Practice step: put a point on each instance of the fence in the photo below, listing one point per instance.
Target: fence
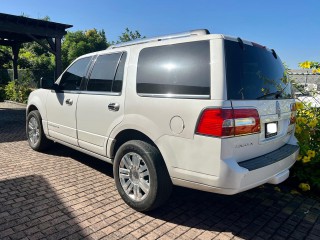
(306, 87)
(6, 75)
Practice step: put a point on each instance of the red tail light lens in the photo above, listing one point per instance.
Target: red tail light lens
(228, 122)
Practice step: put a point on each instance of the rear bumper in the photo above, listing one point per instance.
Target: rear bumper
(237, 177)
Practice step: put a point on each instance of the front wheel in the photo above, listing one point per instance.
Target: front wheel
(141, 176)
(36, 137)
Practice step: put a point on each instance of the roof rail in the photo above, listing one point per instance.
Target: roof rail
(197, 32)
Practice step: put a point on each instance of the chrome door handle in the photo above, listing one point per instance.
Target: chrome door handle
(69, 101)
(114, 107)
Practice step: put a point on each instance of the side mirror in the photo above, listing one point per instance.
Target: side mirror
(46, 83)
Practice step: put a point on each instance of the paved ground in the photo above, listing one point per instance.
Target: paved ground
(64, 194)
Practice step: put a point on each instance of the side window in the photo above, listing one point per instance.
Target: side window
(105, 75)
(175, 69)
(71, 79)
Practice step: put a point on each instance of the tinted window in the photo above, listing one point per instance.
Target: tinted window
(71, 79)
(175, 69)
(253, 72)
(103, 73)
(117, 83)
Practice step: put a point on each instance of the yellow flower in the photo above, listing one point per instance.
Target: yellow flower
(306, 64)
(306, 159)
(299, 157)
(316, 70)
(299, 105)
(311, 153)
(304, 120)
(313, 123)
(304, 187)
(298, 129)
(310, 114)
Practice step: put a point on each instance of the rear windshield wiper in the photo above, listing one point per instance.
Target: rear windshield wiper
(276, 94)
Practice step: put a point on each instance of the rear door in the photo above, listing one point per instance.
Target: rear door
(256, 79)
(101, 107)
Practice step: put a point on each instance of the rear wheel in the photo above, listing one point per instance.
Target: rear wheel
(36, 137)
(141, 176)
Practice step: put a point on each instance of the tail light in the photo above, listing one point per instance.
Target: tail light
(222, 122)
(293, 108)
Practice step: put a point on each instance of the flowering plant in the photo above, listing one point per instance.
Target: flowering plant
(315, 66)
(307, 168)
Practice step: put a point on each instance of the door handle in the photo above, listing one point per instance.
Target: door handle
(114, 107)
(69, 101)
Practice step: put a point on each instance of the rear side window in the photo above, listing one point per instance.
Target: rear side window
(253, 72)
(103, 73)
(175, 69)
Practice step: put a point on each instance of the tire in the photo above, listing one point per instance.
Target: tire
(34, 130)
(144, 183)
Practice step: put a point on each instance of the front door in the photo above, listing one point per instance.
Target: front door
(62, 103)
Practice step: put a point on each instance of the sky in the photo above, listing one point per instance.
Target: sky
(292, 28)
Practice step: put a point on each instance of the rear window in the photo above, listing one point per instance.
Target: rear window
(179, 69)
(254, 72)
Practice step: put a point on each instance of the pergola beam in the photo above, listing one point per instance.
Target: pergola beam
(15, 30)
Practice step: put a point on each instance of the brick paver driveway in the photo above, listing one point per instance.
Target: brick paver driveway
(63, 194)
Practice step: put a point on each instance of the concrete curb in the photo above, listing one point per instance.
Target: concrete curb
(16, 103)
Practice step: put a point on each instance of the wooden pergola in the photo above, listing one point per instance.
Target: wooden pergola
(16, 30)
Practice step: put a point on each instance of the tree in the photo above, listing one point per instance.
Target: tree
(129, 35)
(33, 56)
(78, 43)
(5, 57)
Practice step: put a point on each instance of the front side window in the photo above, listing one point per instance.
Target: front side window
(71, 79)
(107, 73)
(175, 69)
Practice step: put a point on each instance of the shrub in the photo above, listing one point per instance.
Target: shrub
(307, 168)
(17, 91)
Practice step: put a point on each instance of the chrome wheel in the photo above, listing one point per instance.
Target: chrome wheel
(134, 176)
(33, 131)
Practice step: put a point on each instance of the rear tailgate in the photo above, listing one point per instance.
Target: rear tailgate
(275, 130)
(256, 79)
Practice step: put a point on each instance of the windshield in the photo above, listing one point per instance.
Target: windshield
(253, 72)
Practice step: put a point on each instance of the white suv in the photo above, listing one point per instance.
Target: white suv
(194, 109)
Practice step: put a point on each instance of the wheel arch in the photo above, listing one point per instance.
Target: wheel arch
(127, 135)
(31, 108)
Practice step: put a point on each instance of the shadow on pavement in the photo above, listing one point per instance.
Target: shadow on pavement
(60, 150)
(262, 212)
(29, 207)
(12, 125)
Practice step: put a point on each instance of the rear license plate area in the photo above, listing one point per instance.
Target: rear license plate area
(271, 129)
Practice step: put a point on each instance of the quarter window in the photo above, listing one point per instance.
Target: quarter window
(71, 79)
(175, 69)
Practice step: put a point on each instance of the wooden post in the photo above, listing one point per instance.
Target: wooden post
(15, 51)
(58, 56)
